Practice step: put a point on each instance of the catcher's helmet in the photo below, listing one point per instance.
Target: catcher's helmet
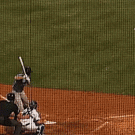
(28, 70)
(33, 105)
(11, 96)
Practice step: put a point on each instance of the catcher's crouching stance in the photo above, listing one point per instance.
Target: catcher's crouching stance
(32, 124)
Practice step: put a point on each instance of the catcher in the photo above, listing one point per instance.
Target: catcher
(20, 82)
(32, 124)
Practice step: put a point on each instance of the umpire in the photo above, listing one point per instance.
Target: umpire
(7, 108)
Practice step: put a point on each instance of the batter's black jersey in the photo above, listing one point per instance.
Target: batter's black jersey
(18, 85)
(6, 108)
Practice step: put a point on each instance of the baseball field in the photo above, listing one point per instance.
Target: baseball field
(82, 56)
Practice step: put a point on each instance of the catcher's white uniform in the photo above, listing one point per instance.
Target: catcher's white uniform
(30, 124)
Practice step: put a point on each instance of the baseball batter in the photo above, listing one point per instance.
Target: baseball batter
(32, 124)
(20, 82)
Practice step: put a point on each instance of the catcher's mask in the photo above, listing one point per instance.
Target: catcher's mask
(11, 97)
(33, 105)
(28, 70)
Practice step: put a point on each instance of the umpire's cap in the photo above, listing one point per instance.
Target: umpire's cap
(28, 70)
(11, 96)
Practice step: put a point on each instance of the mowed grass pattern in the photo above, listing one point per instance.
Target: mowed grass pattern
(70, 44)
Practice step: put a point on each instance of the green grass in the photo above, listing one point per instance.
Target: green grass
(70, 44)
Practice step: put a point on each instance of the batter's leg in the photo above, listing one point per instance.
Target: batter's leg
(18, 100)
(24, 99)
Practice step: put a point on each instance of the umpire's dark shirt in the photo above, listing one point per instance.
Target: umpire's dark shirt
(18, 85)
(6, 108)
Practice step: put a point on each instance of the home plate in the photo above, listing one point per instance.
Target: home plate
(49, 122)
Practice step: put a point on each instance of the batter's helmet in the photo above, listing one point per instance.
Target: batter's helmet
(28, 70)
(33, 105)
(11, 96)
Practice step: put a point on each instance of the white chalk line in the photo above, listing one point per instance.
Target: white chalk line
(99, 119)
(111, 117)
(101, 126)
(122, 116)
(80, 120)
(95, 119)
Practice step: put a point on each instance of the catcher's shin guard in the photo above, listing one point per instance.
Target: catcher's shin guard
(40, 130)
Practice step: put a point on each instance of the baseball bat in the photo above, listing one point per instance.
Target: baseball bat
(22, 66)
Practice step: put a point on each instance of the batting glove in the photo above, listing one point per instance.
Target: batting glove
(28, 79)
(24, 77)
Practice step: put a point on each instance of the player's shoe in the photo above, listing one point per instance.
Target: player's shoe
(40, 129)
(22, 131)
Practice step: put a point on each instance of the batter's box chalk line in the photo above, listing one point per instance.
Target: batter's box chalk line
(122, 116)
(110, 117)
(101, 126)
(79, 119)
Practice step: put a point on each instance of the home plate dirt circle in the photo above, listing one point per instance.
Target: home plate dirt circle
(80, 113)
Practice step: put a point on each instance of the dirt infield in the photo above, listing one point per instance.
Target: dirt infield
(80, 113)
